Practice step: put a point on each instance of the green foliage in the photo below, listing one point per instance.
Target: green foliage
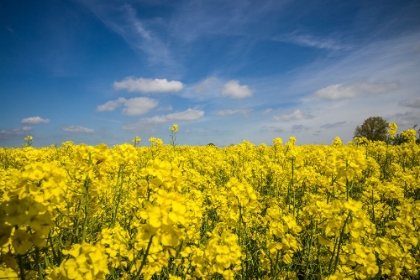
(373, 128)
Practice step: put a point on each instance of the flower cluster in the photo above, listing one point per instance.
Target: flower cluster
(285, 211)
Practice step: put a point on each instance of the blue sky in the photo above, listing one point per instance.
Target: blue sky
(94, 71)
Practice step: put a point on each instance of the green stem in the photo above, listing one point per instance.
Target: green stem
(55, 257)
(38, 261)
(144, 258)
(275, 266)
(176, 257)
(118, 196)
(85, 223)
(308, 255)
(332, 255)
(21, 269)
(340, 242)
(373, 208)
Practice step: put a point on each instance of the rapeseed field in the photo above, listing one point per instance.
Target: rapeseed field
(338, 211)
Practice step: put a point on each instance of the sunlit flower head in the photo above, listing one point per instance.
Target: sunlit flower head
(410, 135)
(337, 141)
(174, 128)
(392, 129)
(292, 140)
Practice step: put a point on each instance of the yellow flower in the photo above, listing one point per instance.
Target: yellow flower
(174, 128)
(88, 262)
(392, 129)
(20, 241)
(337, 141)
(7, 273)
(292, 140)
(278, 141)
(5, 232)
(410, 135)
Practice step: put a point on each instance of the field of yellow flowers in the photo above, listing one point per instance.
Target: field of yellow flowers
(191, 212)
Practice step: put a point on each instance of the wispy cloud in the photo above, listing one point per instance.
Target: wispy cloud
(11, 30)
(407, 119)
(193, 19)
(267, 111)
(204, 85)
(339, 91)
(123, 20)
(133, 106)
(233, 89)
(333, 125)
(312, 41)
(295, 115)
(148, 85)
(271, 129)
(166, 108)
(299, 127)
(244, 112)
(414, 103)
(77, 129)
(34, 120)
(14, 133)
(188, 115)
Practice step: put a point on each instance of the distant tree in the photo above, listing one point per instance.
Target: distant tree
(373, 128)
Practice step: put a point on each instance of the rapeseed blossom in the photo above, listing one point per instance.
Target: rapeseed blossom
(339, 211)
(174, 128)
(392, 129)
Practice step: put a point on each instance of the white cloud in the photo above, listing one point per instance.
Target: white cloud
(133, 107)
(138, 106)
(34, 120)
(295, 115)
(339, 91)
(77, 129)
(110, 105)
(245, 112)
(232, 89)
(148, 85)
(188, 115)
(414, 103)
(209, 88)
(26, 128)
